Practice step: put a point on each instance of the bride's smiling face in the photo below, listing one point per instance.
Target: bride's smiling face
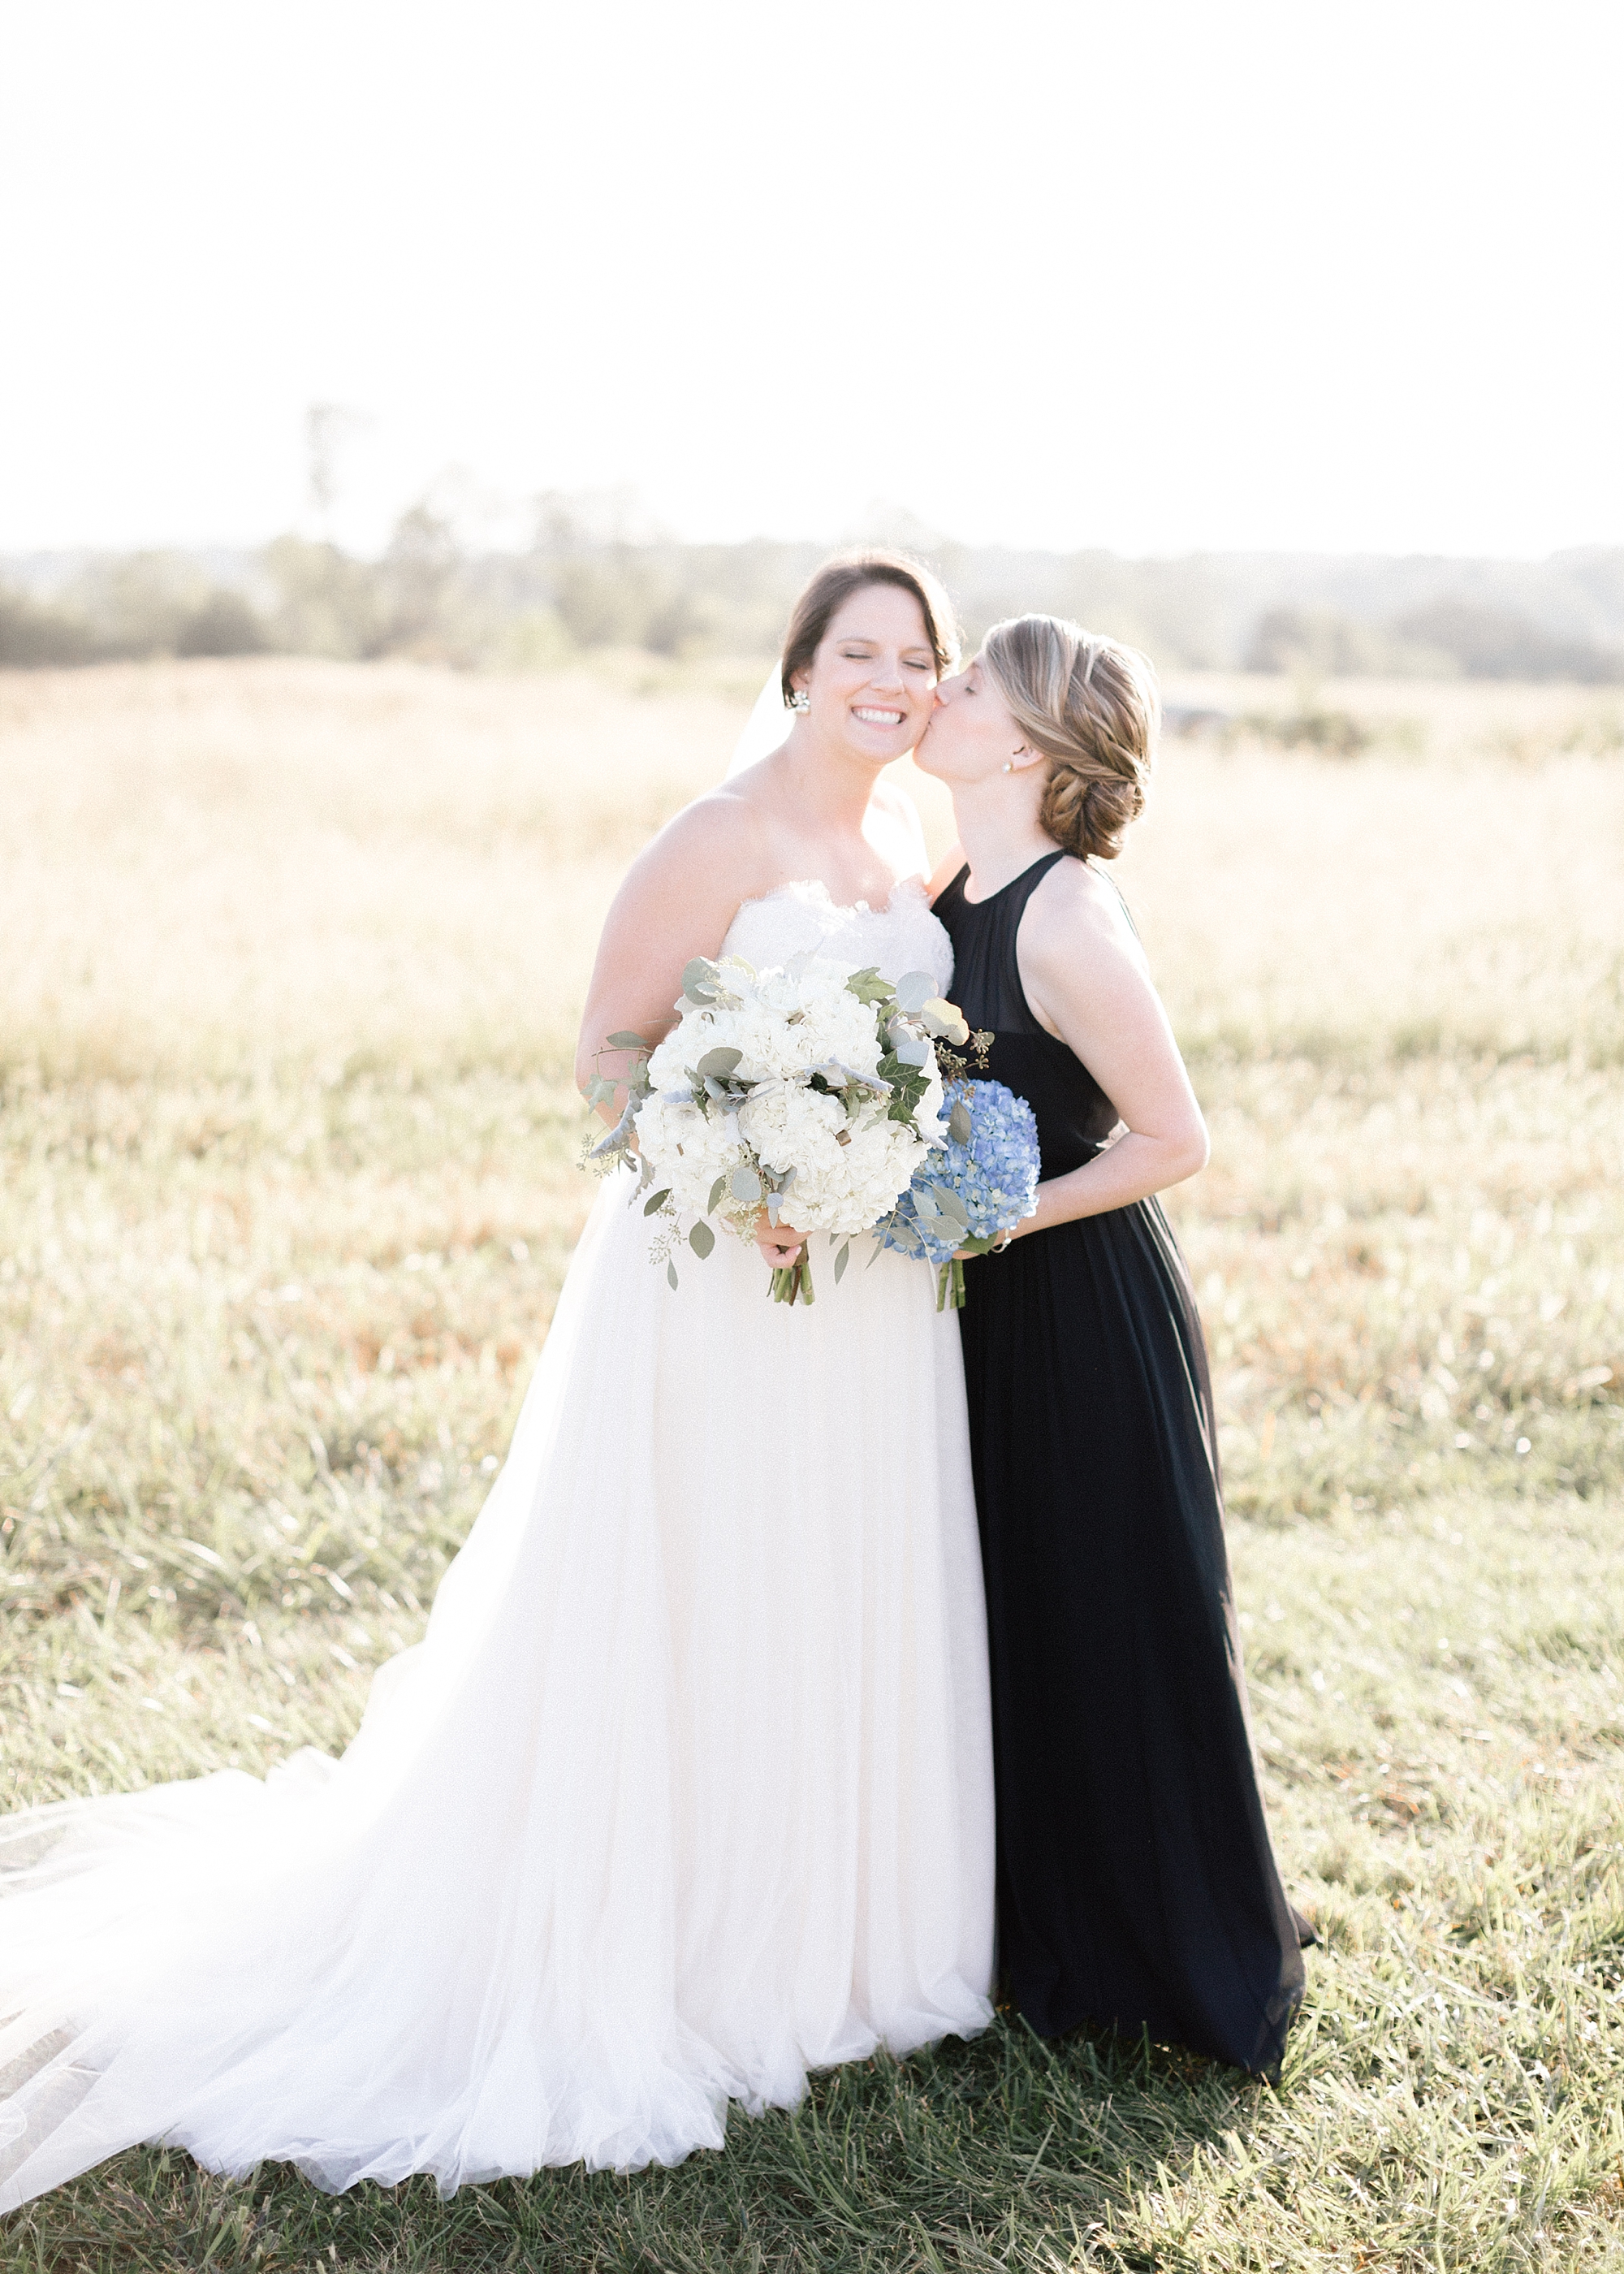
(971, 733)
(872, 683)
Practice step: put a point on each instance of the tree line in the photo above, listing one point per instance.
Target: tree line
(581, 585)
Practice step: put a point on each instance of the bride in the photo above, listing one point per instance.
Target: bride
(688, 1788)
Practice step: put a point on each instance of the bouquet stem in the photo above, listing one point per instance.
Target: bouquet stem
(951, 1286)
(793, 1281)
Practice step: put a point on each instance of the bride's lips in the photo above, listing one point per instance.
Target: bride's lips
(872, 716)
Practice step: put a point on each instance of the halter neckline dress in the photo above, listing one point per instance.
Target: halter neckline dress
(1135, 1882)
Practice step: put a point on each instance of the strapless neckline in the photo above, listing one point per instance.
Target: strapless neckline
(804, 917)
(814, 888)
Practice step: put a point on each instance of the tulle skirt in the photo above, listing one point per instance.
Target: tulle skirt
(687, 1789)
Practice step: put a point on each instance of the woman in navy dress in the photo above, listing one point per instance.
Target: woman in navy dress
(1137, 1886)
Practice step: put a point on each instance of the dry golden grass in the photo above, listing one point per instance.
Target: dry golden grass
(291, 958)
(220, 869)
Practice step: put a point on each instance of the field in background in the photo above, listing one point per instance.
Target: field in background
(291, 958)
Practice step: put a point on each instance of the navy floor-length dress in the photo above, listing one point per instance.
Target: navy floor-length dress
(1137, 1886)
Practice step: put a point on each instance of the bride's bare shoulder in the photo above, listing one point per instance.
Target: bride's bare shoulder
(725, 818)
(713, 849)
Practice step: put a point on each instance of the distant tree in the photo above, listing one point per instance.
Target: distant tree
(136, 602)
(326, 604)
(225, 624)
(1325, 643)
(144, 605)
(418, 580)
(1490, 643)
(34, 636)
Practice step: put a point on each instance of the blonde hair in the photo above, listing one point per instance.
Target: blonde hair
(832, 585)
(1090, 705)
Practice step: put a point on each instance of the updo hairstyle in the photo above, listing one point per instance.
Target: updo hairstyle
(829, 587)
(1090, 705)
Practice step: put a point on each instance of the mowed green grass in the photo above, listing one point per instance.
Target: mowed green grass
(287, 1186)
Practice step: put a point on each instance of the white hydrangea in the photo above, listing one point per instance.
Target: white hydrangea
(782, 1024)
(849, 1161)
(688, 1149)
(789, 1127)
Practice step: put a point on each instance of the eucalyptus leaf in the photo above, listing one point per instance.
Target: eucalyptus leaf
(701, 1239)
(961, 1127)
(618, 1139)
(716, 1064)
(914, 990)
(699, 979)
(841, 1260)
(671, 1272)
(626, 1041)
(657, 1201)
(716, 1190)
(950, 1203)
(946, 1020)
(912, 1053)
(744, 1184)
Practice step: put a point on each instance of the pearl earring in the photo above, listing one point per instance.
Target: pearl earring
(1009, 765)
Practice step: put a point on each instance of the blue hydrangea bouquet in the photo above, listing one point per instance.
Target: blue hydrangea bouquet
(979, 1186)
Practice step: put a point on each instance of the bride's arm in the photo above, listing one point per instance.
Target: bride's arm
(1086, 977)
(677, 901)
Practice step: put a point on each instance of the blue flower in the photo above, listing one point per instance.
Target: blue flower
(972, 1189)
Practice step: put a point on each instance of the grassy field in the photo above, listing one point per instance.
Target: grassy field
(291, 956)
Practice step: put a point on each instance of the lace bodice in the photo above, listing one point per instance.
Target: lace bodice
(901, 937)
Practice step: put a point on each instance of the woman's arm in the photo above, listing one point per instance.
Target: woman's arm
(1086, 977)
(677, 901)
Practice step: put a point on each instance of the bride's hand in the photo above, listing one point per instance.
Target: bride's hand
(780, 1244)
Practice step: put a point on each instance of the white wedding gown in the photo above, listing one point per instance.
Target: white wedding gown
(686, 1791)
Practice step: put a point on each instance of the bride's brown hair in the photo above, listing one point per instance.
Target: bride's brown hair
(832, 584)
(1091, 707)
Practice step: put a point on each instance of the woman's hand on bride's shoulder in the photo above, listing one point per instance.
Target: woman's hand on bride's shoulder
(676, 902)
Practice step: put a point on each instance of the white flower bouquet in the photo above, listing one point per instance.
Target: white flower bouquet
(811, 1091)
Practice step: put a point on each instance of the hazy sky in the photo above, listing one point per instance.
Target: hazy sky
(1152, 276)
